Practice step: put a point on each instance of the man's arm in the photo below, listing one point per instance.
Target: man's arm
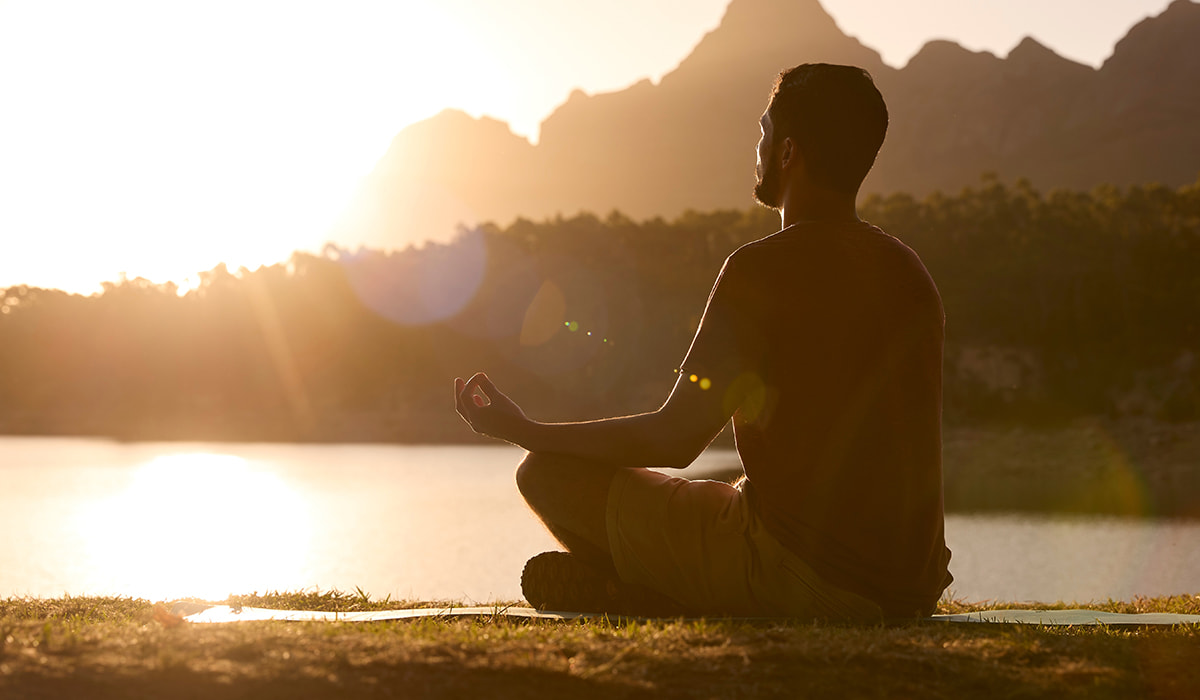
(672, 436)
(727, 347)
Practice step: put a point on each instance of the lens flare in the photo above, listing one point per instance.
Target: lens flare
(543, 318)
(422, 286)
(747, 393)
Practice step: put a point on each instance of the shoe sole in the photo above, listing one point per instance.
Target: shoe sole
(559, 581)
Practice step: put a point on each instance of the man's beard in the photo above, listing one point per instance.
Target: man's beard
(768, 190)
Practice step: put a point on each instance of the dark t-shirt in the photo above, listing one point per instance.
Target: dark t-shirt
(828, 341)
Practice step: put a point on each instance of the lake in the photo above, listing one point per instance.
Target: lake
(171, 520)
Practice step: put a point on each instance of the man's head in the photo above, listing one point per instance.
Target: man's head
(835, 120)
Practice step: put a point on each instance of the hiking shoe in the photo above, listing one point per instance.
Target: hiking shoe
(562, 581)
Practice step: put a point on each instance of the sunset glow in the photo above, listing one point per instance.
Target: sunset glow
(162, 139)
(159, 139)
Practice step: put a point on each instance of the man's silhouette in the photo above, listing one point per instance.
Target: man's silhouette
(823, 342)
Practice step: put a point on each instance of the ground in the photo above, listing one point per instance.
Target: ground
(117, 648)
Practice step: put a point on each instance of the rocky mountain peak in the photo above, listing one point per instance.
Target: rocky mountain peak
(687, 142)
(1166, 42)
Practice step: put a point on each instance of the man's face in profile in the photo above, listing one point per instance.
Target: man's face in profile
(768, 186)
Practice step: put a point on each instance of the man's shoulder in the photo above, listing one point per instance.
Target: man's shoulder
(750, 261)
(817, 253)
(814, 241)
(768, 246)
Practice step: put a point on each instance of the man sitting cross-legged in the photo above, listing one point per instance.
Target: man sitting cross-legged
(823, 343)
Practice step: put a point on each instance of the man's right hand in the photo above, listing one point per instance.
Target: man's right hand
(488, 411)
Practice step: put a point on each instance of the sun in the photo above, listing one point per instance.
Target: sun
(160, 139)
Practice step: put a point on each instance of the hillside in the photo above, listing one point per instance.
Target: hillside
(687, 142)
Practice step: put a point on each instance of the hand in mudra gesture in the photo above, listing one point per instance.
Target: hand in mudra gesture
(487, 410)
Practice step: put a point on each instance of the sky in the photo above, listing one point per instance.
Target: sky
(157, 138)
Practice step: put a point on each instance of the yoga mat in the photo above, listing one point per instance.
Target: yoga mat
(224, 613)
(1071, 617)
(201, 614)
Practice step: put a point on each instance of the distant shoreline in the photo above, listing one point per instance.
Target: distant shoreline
(1127, 467)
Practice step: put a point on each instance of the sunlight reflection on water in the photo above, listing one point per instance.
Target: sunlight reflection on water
(1030, 558)
(163, 521)
(198, 524)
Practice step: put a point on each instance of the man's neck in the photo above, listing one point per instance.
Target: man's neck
(818, 205)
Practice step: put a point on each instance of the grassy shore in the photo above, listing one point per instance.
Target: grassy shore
(1123, 467)
(120, 647)
(1127, 467)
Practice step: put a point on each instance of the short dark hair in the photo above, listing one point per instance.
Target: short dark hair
(836, 116)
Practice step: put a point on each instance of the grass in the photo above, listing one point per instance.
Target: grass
(121, 647)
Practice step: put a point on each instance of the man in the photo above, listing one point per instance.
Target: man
(823, 342)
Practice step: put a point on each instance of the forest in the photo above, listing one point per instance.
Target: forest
(1059, 305)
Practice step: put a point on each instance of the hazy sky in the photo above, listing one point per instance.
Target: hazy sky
(157, 138)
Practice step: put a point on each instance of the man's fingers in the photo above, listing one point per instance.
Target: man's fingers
(458, 387)
(465, 407)
(484, 407)
(476, 384)
(477, 389)
(489, 389)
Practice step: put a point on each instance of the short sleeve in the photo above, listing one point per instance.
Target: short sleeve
(731, 339)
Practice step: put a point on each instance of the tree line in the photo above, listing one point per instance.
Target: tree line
(1058, 305)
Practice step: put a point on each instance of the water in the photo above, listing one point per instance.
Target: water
(170, 520)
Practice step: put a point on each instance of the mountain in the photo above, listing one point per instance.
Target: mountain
(956, 114)
(440, 172)
(688, 141)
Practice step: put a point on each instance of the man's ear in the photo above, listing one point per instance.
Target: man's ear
(787, 152)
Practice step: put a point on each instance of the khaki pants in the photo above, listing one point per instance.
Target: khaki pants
(703, 544)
